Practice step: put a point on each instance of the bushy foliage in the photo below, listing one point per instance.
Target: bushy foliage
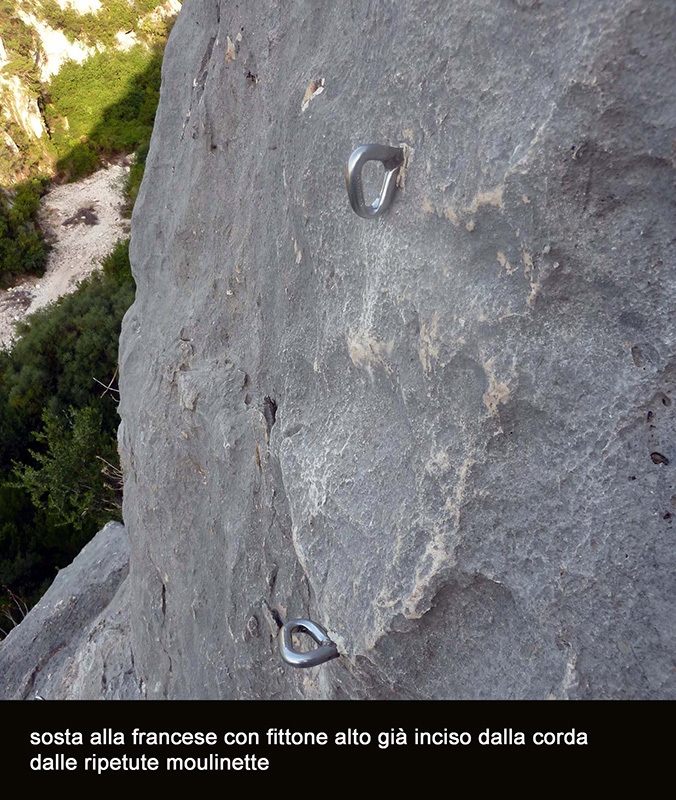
(73, 480)
(22, 248)
(64, 353)
(59, 470)
(33, 546)
(105, 105)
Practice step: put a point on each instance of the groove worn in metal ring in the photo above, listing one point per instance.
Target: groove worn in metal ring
(392, 158)
(325, 652)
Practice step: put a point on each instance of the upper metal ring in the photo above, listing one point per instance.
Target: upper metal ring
(392, 158)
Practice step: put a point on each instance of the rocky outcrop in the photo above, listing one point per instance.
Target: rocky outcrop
(75, 643)
(19, 112)
(22, 106)
(448, 434)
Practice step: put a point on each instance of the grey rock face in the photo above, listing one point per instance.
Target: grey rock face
(75, 644)
(447, 435)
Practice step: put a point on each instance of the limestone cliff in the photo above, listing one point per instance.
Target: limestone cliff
(447, 434)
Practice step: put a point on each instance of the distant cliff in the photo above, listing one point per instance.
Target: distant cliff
(447, 435)
(39, 37)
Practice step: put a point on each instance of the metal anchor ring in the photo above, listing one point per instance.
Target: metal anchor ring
(325, 652)
(392, 158)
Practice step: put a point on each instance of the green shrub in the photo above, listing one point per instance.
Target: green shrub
(32, 546)
(59, 470)
(109, 103)
(74, 476)
(22, 248)
(62, 352)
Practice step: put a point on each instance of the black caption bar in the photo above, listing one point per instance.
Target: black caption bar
(71, 742)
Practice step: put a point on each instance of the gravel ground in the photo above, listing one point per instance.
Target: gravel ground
(83, 221)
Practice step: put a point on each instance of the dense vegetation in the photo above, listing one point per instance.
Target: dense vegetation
(60, 479)
(59, 471)
(22, 248)
(103, 106)
(109, 103)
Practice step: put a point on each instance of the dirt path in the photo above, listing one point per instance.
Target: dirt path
(83, 220)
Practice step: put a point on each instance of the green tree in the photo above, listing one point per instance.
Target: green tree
(56, 365)
(64, 354)
(75, 474)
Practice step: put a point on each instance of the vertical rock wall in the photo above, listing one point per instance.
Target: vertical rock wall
(448, 434)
